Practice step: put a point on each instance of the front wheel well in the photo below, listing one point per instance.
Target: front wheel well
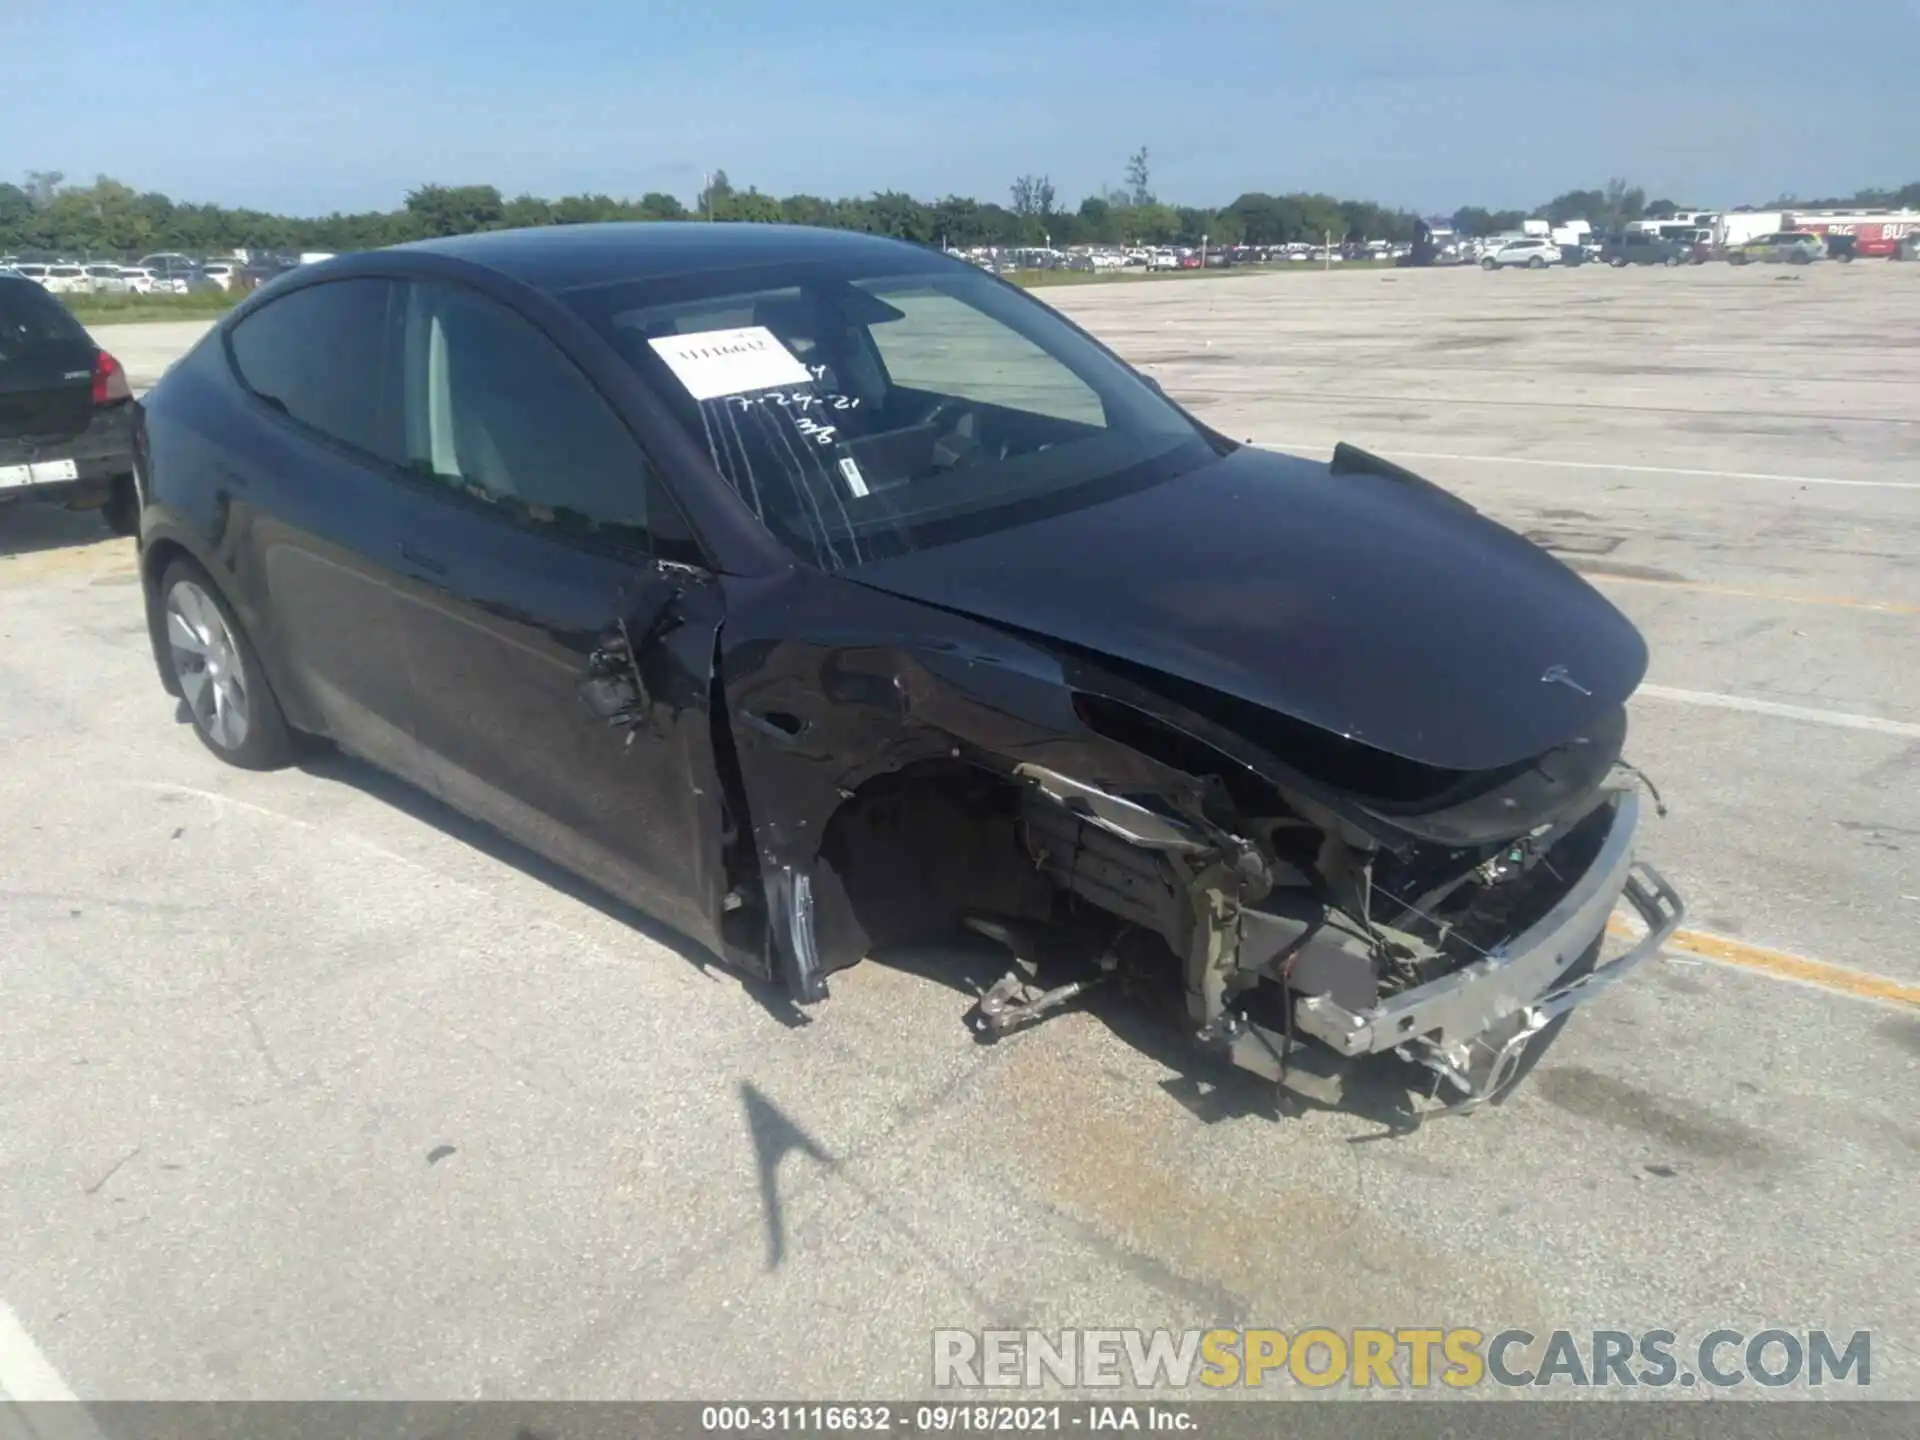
(911, 852)
(154, 563)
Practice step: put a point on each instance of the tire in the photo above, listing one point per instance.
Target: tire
(1618, 262)
(221, 680)
(1800, 257)
(1845, 257)
(1536, 263)
(1737, 258)
(122, 510)
(1672, 262)
(1489, 265)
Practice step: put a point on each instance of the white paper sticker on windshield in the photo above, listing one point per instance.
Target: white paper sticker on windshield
(856, 482)
(712, 363)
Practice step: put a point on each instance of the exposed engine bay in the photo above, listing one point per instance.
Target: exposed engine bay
(1451, 924)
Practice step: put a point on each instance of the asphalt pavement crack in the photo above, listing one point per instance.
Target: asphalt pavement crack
(113, 1170)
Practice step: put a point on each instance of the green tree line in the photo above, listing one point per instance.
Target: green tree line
(109, 217)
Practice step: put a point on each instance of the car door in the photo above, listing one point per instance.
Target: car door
(317, 510)
(561, 624)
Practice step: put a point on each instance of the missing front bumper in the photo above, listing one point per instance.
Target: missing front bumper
(1473, 1027)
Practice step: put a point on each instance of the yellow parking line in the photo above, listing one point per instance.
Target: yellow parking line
(1860, 984)
(1885, 607)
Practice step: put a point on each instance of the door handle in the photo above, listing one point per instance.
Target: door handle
(421, 560)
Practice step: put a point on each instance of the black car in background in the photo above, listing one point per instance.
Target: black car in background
(1640, 247)
(819, 593)
(263, 271)
(66, 411)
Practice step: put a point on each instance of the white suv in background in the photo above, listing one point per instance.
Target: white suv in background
(106, 280)
(66, 280)
(1536, 252)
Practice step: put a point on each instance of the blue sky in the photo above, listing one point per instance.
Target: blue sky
(305, 107)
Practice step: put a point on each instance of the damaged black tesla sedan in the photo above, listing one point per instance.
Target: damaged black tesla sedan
(818, 593)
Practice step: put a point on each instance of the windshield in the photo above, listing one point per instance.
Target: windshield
(862, 414)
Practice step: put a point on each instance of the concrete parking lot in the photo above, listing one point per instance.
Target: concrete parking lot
(309, 1089)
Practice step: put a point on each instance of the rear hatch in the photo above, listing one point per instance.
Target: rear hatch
(46, 367)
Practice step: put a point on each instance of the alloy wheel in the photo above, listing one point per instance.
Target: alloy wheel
(206, 659)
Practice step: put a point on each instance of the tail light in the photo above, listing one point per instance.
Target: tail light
(109, 381)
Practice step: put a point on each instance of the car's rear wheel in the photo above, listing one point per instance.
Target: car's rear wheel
(1536, 263)
(221, 680)
(1673, 262)
(1489, 264)
(122, 508)
(1618, 262)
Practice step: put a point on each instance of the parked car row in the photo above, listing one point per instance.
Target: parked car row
(165, 272)
(1173, 257)
(102, 278)
(1638, 247)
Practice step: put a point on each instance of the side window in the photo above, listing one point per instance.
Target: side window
(495, 411)
(319, 355)
(945, 346)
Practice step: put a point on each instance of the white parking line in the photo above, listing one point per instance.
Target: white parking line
(26, 1375)
(1840, 718)
(1624, 469)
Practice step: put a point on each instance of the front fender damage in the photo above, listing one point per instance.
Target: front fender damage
(899, 790)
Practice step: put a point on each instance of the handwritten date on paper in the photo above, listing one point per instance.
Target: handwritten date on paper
(805, 407)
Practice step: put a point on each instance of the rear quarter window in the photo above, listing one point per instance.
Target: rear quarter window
(321, 356)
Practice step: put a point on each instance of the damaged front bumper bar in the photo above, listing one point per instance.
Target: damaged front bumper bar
(1473, 1025)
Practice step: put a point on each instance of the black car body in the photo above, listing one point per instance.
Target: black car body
(66, 412)
(816, 593)
(1639, 247)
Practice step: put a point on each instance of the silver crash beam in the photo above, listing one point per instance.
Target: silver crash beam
(1535, 977)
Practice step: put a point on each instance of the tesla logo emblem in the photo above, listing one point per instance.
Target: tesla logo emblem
(1557, 675)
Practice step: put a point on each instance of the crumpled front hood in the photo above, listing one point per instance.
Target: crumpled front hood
(1364, 605)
